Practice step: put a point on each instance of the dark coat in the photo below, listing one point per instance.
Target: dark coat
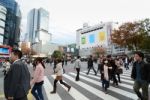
(90, 62)
(17, 80)
(113, 65)
(145, 71)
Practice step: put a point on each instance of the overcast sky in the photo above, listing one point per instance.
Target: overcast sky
(66, 16)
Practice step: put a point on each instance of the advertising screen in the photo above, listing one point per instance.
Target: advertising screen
(4, 50)
(94, 38)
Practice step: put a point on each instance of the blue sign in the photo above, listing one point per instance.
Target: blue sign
(91, 38)
(4, 50)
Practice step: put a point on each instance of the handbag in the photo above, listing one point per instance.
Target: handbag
(58, 77)
(119, 71)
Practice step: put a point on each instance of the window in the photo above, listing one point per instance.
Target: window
(2, 23)
(1, 31)
(1, 39)
(2, 16)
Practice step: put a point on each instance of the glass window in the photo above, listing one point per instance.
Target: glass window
(2, 16)
(1, 30)
(2, 23)
(1, 39)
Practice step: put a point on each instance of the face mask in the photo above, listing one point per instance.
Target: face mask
(106, 62)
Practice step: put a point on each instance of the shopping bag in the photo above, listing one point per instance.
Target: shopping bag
(29, 96)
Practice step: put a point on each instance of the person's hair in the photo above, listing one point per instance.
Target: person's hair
(39, 59)
(140, 54)
(90, 56)
(78, 57)
(58, 60)
(108, 56)
(17, 53)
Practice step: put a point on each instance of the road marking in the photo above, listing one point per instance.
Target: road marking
(119, 91)
(48, 87)
(74, 93)
(92, 90)
(122, 84)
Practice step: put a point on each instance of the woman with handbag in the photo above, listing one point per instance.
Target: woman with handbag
(119, 69)
(59, 73)
(105, 73)
(38, 79)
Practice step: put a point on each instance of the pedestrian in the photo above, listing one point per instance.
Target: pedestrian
(38, 79)
(126, 62)
(63, 61)
(105, 75)
(100, 61)
(113, 71)
(17, 80)
(59, 73)
(66, 61)
(140, 75)
(77, 67)
(6, 66)
(55, 63)
(119, 69)
(90, 65)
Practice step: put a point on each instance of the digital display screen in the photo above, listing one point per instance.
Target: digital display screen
(4, 50)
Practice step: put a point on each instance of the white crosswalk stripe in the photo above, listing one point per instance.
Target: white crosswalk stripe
(125, 93)
(75, 94)
(90, 83)
(48, 87)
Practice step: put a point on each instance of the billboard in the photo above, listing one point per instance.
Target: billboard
(93, 39)
(4, 50)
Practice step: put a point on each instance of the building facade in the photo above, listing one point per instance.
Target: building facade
(12, 23)
(38, 30)
(90, 37)
(38, 26)
(3, 12)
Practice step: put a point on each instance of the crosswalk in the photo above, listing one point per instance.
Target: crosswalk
(89, 88)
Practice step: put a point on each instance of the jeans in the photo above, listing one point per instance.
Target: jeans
(105, 84)
(126, 66)
(37, 91)
(90, 69)
(144, 86)
(98, 69)
(118, 77)
(78, 72)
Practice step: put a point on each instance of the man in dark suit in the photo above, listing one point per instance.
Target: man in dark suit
(17, 80)
(90, 65)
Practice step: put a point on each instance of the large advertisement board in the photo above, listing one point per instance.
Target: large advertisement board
(94, 38)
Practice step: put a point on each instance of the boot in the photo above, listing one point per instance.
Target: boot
(54, 91)
(69, 88)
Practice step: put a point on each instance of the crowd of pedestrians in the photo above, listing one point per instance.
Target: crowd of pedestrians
(18, 82)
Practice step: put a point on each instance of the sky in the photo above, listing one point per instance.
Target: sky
(66, 16)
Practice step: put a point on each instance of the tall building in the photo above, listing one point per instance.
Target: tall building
(12, 23)
(3, 12)
(37, 29)
(38, 26)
